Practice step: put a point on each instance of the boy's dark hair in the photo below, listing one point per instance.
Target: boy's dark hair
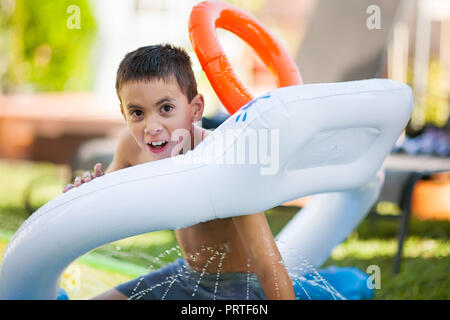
(161, 62)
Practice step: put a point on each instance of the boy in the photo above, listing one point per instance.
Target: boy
(224, 258)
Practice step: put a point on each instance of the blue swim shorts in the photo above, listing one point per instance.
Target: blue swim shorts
(176, 281)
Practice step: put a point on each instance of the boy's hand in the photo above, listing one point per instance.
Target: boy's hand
(98, 171)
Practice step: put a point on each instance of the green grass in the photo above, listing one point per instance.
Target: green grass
(424, 268)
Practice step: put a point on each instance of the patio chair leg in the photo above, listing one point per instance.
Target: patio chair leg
(406, 204)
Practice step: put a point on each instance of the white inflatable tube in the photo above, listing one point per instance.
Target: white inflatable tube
(308, 239)
(323, 138)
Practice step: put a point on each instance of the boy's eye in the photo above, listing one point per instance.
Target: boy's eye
(166, 108)
(137, 113)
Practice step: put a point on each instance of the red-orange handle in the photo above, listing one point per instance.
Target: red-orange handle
(209, 15)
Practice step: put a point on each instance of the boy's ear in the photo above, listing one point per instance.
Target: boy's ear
(198, 104)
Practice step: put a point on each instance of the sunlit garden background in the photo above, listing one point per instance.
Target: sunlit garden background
(57, 95)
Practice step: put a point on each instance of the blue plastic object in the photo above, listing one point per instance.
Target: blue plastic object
(62, 294)
(333, 283)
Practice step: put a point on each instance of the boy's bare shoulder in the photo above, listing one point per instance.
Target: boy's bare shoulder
(129, 148)
(126, 151)
(205, 132)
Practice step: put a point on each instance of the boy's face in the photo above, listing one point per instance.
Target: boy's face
(156, 112)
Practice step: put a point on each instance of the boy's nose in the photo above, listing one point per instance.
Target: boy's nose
(153, 128)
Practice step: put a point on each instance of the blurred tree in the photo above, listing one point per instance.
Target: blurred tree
(46, 45)
(437, 100)
(435, 110)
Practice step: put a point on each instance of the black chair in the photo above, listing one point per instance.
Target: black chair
(402, 172)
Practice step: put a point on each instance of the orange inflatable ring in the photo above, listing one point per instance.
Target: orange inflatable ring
(203, 21)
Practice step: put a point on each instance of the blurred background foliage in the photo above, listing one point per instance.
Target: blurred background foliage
(436, 101)
(434, 109)
(39, 48)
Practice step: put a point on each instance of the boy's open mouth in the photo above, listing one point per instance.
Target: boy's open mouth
(157, 146)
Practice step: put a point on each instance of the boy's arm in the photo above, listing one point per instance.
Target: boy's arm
(258, 240)
(120, 161)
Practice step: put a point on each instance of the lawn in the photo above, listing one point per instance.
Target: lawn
(424, 270)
